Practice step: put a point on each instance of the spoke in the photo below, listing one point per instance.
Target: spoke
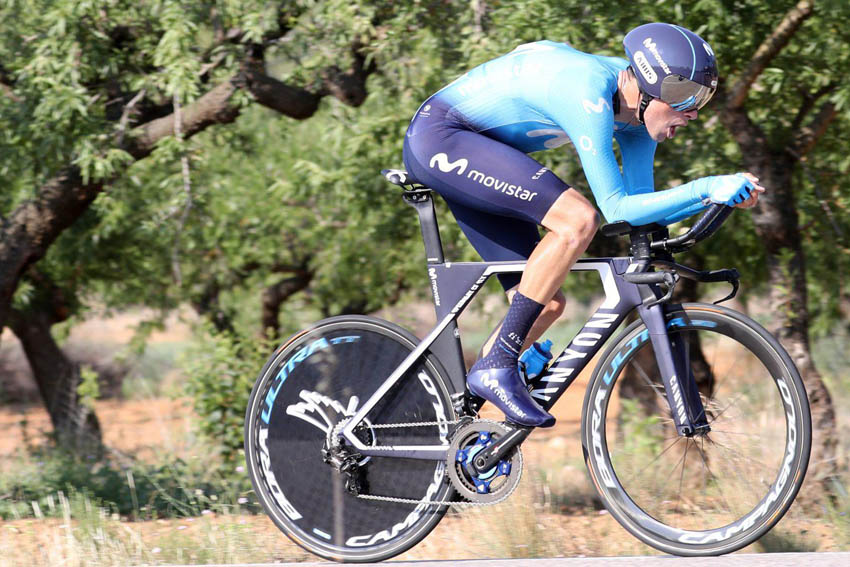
(682, 476)
(740, 454)
(726, 432)
(648, 381)
(740, 473)
(701, 452)
(661, 454)
(732, 403)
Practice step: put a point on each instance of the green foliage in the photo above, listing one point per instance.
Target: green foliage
(88, 389)
(221, 373)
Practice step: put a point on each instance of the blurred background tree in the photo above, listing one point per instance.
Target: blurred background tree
(119, 192)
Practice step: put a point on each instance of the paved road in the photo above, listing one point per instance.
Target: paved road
(737, 560)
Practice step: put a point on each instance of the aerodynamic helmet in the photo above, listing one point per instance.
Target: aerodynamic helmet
(672, 64)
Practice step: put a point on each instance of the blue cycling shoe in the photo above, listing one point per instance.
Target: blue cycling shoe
(504, 388)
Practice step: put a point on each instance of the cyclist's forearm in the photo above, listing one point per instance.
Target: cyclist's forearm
(683, 214)
(646, 208)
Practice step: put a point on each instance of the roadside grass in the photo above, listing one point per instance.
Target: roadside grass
(121, 485)
(59, 509)
(86, 534)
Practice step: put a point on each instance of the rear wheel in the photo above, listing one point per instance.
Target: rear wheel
(707, 494)
(310, 386)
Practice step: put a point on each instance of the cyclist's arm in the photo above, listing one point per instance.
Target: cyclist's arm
(683, 214)
(638, 153)
(586, 117)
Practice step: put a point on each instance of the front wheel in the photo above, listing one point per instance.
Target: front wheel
(711, 493)
(310, 386)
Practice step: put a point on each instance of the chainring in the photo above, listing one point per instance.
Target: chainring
(490, 487)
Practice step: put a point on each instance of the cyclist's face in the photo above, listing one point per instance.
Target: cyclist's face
(662, 120)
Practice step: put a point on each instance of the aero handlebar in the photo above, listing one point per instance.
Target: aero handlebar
(705, 226)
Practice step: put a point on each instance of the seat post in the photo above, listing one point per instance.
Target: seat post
(421, 200)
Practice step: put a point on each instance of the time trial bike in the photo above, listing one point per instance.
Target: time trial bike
(695, 426)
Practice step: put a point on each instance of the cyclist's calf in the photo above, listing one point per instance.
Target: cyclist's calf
(552, 311)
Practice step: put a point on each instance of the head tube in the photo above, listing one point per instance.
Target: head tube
(683, 94)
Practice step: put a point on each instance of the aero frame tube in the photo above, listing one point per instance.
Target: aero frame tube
(621, 297)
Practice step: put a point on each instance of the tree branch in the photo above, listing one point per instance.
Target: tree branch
(35, 224)
(807, 137)
(212, 108)
(769, 49)
(809, 100)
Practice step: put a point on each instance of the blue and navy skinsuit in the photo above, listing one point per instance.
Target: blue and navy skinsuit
(469, 143)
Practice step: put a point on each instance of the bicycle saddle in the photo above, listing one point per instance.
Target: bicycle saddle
(398, 177)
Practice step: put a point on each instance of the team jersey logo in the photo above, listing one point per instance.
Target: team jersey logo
(441, 160)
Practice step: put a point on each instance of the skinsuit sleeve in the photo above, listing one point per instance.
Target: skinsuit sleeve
(585, 114)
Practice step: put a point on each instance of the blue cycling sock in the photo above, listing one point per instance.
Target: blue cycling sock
(518, 321)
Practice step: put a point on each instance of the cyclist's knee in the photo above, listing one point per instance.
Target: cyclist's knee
(575, 219)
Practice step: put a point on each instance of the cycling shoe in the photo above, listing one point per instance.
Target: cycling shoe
(504, 388)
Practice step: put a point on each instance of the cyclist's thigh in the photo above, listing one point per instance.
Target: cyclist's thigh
(473, 170)
(497, 238)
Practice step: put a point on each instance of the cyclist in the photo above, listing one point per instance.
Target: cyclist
(469, 143)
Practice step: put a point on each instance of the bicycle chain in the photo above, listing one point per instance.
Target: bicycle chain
(398, 500)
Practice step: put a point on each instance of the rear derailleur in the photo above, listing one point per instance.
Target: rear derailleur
(346, 463)
(346, 460)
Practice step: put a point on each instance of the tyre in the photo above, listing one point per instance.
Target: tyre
(317, 379)
(707, 494)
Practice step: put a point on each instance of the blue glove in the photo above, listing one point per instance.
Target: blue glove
(727, 189)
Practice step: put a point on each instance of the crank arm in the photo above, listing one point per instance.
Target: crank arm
(490, 457)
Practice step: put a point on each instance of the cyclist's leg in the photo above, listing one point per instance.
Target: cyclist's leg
(499, 239)
(479, 172)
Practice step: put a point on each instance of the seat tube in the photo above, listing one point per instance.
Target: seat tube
(430, 231)
(675, 371)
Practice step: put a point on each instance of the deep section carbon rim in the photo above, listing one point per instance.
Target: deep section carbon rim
(309, 386)
(709, 494)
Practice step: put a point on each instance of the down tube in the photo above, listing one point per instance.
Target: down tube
(621, 297)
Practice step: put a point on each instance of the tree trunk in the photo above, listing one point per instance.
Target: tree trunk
(275, 295)
(75, 425)
(777, 224)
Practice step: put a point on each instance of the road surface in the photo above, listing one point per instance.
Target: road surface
(737, 560)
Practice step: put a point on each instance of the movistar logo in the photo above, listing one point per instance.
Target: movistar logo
(650, 45)
(645, 68)
(441, 160)
(493, 385)
(600, 105)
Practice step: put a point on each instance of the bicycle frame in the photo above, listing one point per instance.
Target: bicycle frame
(455, 284)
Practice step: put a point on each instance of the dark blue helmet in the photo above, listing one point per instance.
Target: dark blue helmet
(672, 64)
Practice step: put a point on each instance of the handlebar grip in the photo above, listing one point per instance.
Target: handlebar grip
(705, 226)
(649, 277)
(709, 222)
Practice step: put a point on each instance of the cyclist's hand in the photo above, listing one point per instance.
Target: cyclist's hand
(731, 190)
(754, 194)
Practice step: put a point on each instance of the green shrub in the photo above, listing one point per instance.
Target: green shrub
(222, 370)
(131, 489)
